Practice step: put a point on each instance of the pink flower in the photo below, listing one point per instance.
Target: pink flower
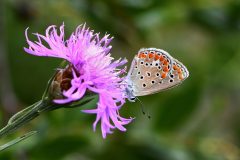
(94, 70)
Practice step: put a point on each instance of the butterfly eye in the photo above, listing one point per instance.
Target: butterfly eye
(171, 75)
(148, 74)
(138, 73)
(156, 64)
(141, 77)
(146, 64)
(141, 62)
(159, 67)
(144, 85)
(157, 74)
(171, 80)
(153, 82)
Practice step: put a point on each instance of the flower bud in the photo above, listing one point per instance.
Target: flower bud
(61, 82)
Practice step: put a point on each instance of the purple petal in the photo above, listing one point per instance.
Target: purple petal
(94, 70)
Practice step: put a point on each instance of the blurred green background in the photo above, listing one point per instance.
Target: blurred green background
(198, 120)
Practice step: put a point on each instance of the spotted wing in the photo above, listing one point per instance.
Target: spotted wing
(177, 75)
(148, 69)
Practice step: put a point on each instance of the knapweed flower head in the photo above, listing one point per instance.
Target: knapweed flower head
(93, 69)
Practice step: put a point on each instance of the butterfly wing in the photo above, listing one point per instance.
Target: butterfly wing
(148, 70)
(177, 75)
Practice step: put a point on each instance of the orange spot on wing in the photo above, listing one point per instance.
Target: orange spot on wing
(150, 55)
(142, 55)
(180, 76)
(156, 57)
(179, 71)
(165, 69)
(175, 67)
(164, 75)
(161, 58)
(165, 62)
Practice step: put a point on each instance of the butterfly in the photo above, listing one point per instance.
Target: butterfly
(153, 70)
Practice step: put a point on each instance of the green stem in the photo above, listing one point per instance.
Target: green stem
(17, 140)
(20, 113)
(24, 116)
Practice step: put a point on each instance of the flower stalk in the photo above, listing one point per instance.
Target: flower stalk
(26, 115)
(23, 117)
(46, 104)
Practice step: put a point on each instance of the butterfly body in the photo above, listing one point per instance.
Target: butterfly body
(153, 70)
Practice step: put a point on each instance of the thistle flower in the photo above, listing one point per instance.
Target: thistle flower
(92, 69)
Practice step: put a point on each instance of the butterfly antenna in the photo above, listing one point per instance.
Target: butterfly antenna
(142, 108)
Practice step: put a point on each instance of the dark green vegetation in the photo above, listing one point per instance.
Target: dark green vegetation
(197, 120)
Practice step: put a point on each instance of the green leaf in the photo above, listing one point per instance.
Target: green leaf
(18, 139)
